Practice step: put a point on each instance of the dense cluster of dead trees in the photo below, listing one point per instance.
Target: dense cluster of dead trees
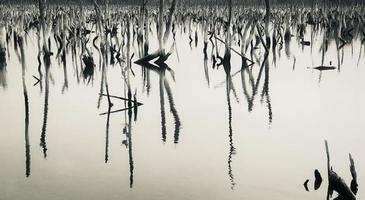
(240, 25)
(98, 35)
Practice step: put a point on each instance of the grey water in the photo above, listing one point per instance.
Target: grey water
(192, 138)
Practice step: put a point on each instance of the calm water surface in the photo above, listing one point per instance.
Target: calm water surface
(189, 140)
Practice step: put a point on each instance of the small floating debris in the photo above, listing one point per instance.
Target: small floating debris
(306, 185)
(37, 80)
(318, 180)
(305, 43)
(323, 68)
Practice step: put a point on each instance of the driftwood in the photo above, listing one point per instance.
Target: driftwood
(336, 183)
(124, 99)
(116, 111)
(323, 68)
(220, 40)
(132, 104)
(161, 55)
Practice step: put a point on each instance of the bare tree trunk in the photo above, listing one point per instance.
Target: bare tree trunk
(267, 21)
(228, 37)
(146, 32)
(267, 4)
(42, 7)
(169, 22)
(106, 11)
(160, 25)
(324, 5)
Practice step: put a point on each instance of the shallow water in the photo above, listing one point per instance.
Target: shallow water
(215, 146)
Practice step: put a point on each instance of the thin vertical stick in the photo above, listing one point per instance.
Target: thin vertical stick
(328, 169)
(160, 25)
(328, 159)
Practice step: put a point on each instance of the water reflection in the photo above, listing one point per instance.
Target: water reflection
(3, 81)
(43, 141)
(226, 62)
(20, 40)
(265, 91)
(106, 157)
(64, 63)
(245, 70)
(129, 111)
(39, 80)
(206, 69)
(164, 86)
(130, 149)
(162, 106)
(172, 108)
